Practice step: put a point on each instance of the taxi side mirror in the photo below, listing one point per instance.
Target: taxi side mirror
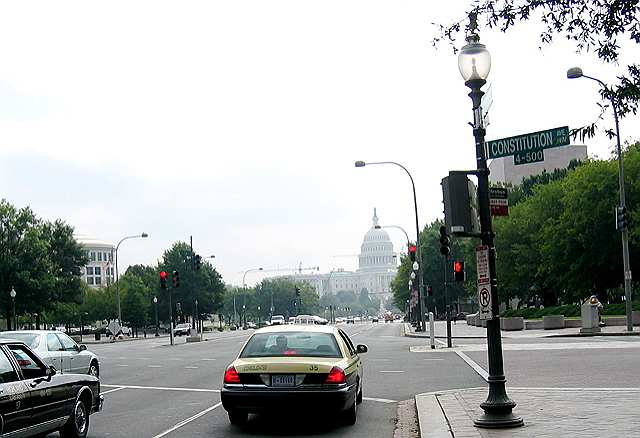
(82, 347)
(51, 371)
(361, 348)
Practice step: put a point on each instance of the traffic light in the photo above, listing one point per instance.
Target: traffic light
(623, 221)
(297, 291)
(429, 291)
(163, 280)
(412, 252)
(176, 279)
(458, 270)
(197, 261)
(445, 242)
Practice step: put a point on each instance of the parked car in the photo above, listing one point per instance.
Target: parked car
(182, 330)
(58, 401)
(59, 350)
(350, 320)
(251, 325)
(374, 319)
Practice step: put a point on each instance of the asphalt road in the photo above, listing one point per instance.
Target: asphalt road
(155, 390)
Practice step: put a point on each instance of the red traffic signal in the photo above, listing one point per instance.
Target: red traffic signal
(412, 252)
(163, 279)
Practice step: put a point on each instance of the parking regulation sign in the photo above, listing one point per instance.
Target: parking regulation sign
(484, 282)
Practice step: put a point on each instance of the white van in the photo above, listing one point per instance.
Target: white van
(277, 320)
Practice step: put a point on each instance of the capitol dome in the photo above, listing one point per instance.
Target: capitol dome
(376, 251)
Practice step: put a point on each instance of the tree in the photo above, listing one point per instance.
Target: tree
(592, 25)
(40, 259)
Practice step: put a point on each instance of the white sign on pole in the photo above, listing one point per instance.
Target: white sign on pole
(484, 283)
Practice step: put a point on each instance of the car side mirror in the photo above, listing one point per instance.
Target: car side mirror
(361, 348)
(82, 347)
(51, 371)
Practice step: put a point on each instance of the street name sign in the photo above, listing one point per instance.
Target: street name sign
(484, 283)
(498, 201)
(534, 141)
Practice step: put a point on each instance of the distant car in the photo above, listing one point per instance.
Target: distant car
(251, 325)
(374, 319)
(38, 400)
(277, 320)
(357, 319)
(292, 320)
(350, 320)
(182, 330)
(59, 350)
(286, 368)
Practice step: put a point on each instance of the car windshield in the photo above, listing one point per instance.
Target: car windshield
(296, 344)
(31, 339)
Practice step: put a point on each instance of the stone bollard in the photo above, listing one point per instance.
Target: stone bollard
(590, 320)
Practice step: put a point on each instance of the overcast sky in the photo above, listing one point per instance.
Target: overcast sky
(238, 122)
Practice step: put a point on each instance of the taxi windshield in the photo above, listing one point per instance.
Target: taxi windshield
(291, 344)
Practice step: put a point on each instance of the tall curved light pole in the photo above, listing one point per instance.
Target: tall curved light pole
(143, 235)
(474, 63)
(244, 285)
(12, 294)
(415, 208)
(574, 73)
(398, 227)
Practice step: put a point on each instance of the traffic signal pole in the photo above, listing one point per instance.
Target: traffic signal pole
(446, 305)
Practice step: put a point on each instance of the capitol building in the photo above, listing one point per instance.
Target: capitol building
(377, 268)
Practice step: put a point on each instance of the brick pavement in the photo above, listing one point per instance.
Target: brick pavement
(547, 412)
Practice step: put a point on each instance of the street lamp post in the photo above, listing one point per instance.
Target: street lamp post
(474, 62)
(117, 285)
(415, 208)
(13, 303)
(155, 306)
(244, 301)
(574, 73)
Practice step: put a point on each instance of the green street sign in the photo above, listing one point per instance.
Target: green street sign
(535, 141)
(528, 157)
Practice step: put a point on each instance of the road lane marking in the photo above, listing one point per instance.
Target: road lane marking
(112, 390)
(432, 359)
(122, 365)
(162, 388)
(392, 371)
(188, 420)
(380, 400)
(208, 359)
(378, 360)
(440, 342)
(191, 368)
(477, 368)
(154, 366)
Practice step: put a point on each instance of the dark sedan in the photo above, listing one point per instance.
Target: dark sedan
(35, 399)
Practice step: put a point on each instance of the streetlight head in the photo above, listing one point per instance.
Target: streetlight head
(474, 60)
(574, 73)
(155, 299)
(377, 227)
(12, 293)
(144, 235)
(360, 164)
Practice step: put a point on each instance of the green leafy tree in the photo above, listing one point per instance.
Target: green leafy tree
(40, 259)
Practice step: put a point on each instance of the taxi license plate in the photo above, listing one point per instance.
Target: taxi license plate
(283, 380)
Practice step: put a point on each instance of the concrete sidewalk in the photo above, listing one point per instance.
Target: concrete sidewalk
(547, 412)
(461, 330)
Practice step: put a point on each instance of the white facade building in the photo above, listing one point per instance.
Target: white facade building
(377, 268)
(99, 271)
(506, 171)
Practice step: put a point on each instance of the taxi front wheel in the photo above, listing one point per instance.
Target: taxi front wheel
(238, 417)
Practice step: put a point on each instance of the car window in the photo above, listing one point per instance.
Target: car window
(347, 341)
(31, 366)
(31, 339)
(67, 343)
(296, 344)
(53, 343)
(7, 372)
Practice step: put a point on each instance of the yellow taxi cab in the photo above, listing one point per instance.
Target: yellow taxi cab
(294, 367)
